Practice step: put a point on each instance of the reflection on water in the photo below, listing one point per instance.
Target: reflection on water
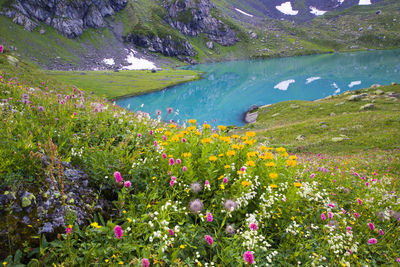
(230, 88)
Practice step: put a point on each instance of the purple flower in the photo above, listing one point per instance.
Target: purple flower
(253, 226)
(127, 184)
(170, 110)
(357, 215)
(178, 161)
(330, 215)
(196, 187)
(381, 232)
(209, 239)
(41, 108)
(145, 262)
(230, 229)
(164, 155)
(359, 201)
(1, 49)
(248, 257)
(118, 177)
(371, 226)
(209, 217)
(323, 217)
(196, 205)
(184, 168)
(158, 112)
(312, 175)
(171, 161)
(118, 232)
(372, 241)
(230, 205)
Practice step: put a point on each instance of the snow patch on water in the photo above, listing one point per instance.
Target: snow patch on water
(244, 13)
(337, 91)
(340, 1)
(316, 11)
(311, 79)
(138, 63)
(284, 85)
(109, 61)
(286, 8)
(364, 2)
(354, 83)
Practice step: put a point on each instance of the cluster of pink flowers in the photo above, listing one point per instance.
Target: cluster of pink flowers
(118, 179)
(1, 49)
(248, 257)
(172, 182)
(118, 232)
(209, 239)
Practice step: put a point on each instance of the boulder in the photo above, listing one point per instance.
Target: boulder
(354, 98)
(210, 45)
(367, 106)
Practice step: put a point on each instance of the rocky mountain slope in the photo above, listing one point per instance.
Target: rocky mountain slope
(89, 34)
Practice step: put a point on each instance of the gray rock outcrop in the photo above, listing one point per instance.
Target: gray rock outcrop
(193, 17)
(69, 17)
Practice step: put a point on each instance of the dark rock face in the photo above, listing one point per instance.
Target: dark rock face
(166, 46)
(27, 211)
(69, 17)
(192, 17)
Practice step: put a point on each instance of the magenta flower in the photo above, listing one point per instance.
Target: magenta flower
(357, 215)
(164, 155)
(118, 177)
(171, 183)
(330, 215)
(371, 226)
(209, 217)
(1, 49)
(118, 232)
(323, 217)
(248, 257)
(398, 260)
(183, 140)
(173, 178)
(207, 182)
(127, 184)
(170, 110)
(209, 239)
(225, 180)
(253, 226)
(151, 132)
(139, 135)
(145, 262)
(381, 232)
(171, 161)
(372, 241)
(359, 201)
(171, 233)
(312, 175)
(155, 143)
(184, 168)
(178, 161)
(68, 230)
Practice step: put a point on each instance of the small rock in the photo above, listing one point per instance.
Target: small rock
(337, 139)
(210, 45)
(367, 106)
(300, 137)
(253, 35)
(361, 29)
(379, 12)
(42, 31)
(339, 104)
(333, 114)
(354, 98)
(379, 92)
(375, 85)
(293, 106)
(324, 126)
(275, 115)
(343, 129)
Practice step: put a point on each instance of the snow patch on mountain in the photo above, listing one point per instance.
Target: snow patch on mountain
(286, 8)
(244, 13)
(364, 2)
(316, 11)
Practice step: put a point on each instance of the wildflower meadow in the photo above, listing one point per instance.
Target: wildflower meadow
(193, 194)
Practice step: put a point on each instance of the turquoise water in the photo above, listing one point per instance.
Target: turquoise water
(230, 88)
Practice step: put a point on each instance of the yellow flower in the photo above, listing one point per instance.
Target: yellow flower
(240, 172)
(168, 133)
(273, 175)
(250, 163)
(206, 140)
(297, 185)
(225, 139)
(187, 155)
(244, 138)
(293, 157)
(120, 262)
(251, 134)
(129, 219)
(235, 136)
(106, 260)
(281, 149)
(172, 126)
(222, 127)
(227, 166)
(149, 206)
(192, 121)
(246, 183)
(230, 153)
(270, 164)
(30, 226)
(267, 155)
(220, 155)
(182, 246)
(206, 126)
(4, 263)
(273, 186)
(285, 154)
(250, 142)
(213, 158)
(251, 154)
(199, 263)
(95, 225)
(160, 129)
(124, 211)
(291, 163)
(191, 128)
(214, 135)
(222, 186)
(198, 133)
